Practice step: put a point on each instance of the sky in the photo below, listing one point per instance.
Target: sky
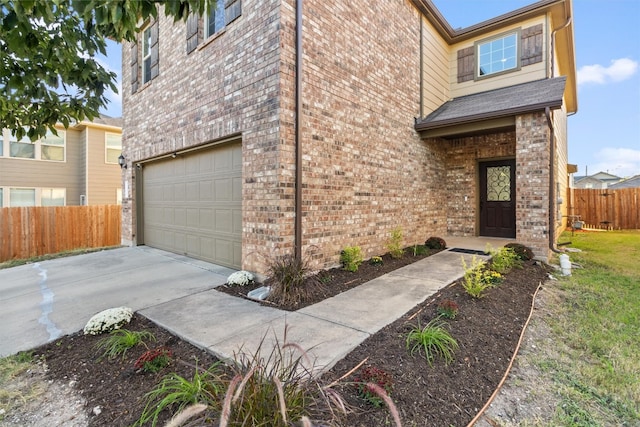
(604, 135)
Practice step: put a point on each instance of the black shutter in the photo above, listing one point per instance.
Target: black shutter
(232, 10)
(155, 70)
(531, 42)
(134, 67)
(192, 32)
(466, 64)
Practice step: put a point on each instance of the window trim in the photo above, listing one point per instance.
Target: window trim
(5, 195)
(220, 7)
(143, 58)
(63, 146)
(37, 146)
(476, 50)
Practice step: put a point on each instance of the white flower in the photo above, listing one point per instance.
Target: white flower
(108, 320)
(240, 278)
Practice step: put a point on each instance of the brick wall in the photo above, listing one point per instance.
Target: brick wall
(532, 182)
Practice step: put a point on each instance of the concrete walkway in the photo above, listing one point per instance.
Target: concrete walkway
(43, 301)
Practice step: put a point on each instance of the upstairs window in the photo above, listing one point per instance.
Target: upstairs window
(497, 55)
(113, 147)
(53, 146)
(23, 148)
(215, 19)
(146, 55)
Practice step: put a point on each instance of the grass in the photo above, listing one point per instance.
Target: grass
(595, 368)
(433, 340)
(11, 396)
(119, 341)
(17, 262)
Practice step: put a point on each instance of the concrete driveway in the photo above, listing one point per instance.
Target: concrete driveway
(43, 301)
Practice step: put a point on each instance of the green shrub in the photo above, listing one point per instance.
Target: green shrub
(351, 258)
(523, 252)
(474, 281)
(376, 260)
(290, 279)
(419, 250)
(504, 259)
(394, 245)
(119, 341)
(176, 393)
(434, 340)
(435, 243)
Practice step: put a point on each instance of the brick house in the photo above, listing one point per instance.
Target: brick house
(250, 136)
(79, 166)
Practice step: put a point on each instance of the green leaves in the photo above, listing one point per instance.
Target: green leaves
(47, 70)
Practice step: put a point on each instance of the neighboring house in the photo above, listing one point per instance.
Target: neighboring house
(79, 166)
(633, 182)
(600, 180)
(247, 145)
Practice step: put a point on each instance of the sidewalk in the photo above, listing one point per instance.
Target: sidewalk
(328, 330)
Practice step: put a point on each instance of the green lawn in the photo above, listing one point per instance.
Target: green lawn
(596, 327)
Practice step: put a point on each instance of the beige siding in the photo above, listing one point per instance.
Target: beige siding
(435, 69)
(528, 73)
(561, 175)
(103, 179)
(30, 173)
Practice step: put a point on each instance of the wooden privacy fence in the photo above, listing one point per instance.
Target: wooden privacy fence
(606, 209)
(32, 231)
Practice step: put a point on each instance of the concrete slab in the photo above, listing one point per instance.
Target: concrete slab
(43, 301)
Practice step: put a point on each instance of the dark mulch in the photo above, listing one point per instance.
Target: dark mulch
(487, 331)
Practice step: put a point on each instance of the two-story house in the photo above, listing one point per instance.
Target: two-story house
(79, 166)
(270, 127)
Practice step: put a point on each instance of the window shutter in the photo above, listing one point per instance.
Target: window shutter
(232, 10)
(134, 67)
(531, 42)
(466, 64)
(154, 50)
(192, 32)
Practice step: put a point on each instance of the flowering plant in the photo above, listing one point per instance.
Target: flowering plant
(371, 375)
(491, 277)
(240, 278)
(108, 320)
(154, 360)
(448, 309)
(376, 260)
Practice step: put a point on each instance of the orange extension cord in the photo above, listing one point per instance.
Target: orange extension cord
(513, 358)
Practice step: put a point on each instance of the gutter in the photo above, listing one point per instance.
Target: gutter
(298, 135)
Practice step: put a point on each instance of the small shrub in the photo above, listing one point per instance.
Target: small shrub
(371, 375)
(121, 340)
(290, 279)
(240, 278)
(491, 278)
(504, 259)
(434, 340)
(435, 243)
(154, 360)
(351, 258)
(376, 260)
(448, 309)
(108, 320)
(419, 250)
(177, 393)
(474, 281)
(394, 245)
(523, 252)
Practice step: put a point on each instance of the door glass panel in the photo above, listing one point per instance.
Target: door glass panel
(499, 183)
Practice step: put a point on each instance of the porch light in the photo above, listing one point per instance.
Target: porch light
(122, 162)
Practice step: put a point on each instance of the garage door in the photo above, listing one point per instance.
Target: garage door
(192, 204)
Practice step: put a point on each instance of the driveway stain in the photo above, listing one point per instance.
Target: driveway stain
(47, 304)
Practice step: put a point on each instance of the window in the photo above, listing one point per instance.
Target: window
(1, 150)
(53, 146)
(52, 197)
(215, 19)
(497, 55)
(1, 194)
(22, 197)
(22, 148)
(113, 147)
(146, 55)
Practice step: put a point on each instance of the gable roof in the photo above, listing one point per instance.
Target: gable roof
(497, 103)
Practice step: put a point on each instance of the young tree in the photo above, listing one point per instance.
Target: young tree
(48, 73)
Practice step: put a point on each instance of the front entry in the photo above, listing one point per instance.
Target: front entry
(497, 198)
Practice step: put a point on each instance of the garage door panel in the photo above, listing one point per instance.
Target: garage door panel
(192, 205)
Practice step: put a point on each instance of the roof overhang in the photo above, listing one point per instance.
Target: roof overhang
(492, 109)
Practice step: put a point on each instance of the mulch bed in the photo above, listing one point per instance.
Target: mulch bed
(487, 331)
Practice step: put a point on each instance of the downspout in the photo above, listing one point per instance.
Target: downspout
(298, 135)
(421, 69)
(552, 179)
(553, 43)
